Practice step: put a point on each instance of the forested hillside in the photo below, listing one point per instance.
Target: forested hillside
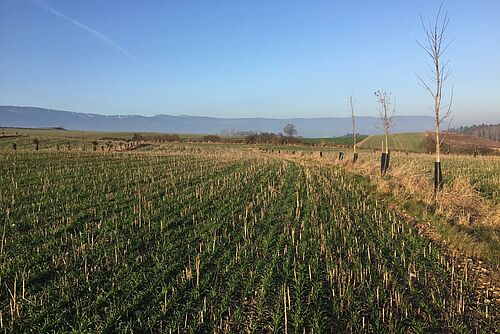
(488, 131)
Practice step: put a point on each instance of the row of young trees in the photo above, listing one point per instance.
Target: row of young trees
(435, 46)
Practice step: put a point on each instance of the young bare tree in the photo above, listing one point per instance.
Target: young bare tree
(435, 47)
(386, 112)
(351, 106)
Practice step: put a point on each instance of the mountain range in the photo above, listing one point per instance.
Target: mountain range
(33, 117)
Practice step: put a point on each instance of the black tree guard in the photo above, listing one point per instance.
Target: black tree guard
(341, 155)
(355, 158)
(438, 176)
(384, 163)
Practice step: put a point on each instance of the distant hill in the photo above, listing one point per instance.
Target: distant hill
(32, 117)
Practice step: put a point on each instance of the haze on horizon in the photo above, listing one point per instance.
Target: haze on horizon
(278, 59)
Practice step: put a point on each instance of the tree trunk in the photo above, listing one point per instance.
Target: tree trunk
(355, 155)
(438, 177)
(438, 140)
(384, 160)
(386, 142)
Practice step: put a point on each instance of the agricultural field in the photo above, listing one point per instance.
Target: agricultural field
(342, 140)
(466, 213)
(411, 141)
(218, 238)
(57, 138)
(421, 142)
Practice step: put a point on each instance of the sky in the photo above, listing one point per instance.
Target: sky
(279, 59)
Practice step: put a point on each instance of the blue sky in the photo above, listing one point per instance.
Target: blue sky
(242, 58)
